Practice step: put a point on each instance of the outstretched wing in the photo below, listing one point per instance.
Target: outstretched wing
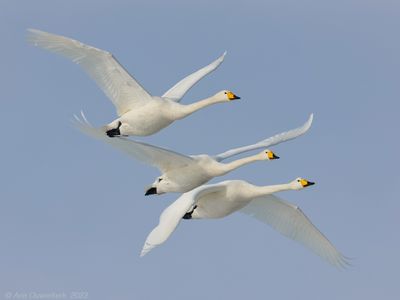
(290, 221)
(179, 90)
(160, 158)
(172, 215)
(274, 140)
(122, 89)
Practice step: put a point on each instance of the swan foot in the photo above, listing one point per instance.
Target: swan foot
(151, 191)
(115, 131)
(188, 215)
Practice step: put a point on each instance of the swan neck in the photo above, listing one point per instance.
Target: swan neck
(270, 189)
(228, 167)
(188, 109)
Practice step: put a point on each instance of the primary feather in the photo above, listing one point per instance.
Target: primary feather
(271, 141)
(162, 159)
(289, 220)
(121, 87)
(180, 89)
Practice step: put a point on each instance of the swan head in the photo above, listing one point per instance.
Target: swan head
(268, 155)
(300, 183)
(161, 186)
(155, 188)
(226, 95)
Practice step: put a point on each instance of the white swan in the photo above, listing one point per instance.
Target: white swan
(139, 113)
(222, 199)
(182, 173)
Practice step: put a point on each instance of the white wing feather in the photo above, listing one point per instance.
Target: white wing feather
(162, 159)
(172, 215)
(122, 89)
(274, 140)
(169, 220)
(290, 221)
(179, 90)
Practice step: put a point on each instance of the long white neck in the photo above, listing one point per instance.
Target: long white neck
(228, 167)
(186, 110)
(257, 191)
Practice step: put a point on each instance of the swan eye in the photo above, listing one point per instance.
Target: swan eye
(159, 179)
(298, 180)
(225, 93)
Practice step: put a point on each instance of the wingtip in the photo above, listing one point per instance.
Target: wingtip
(146, 249)
(343, 263)
(84, 118)
(81, 123)
(81, 119)
(30, 36)
(222, 57)
(34, 36)
(32, 30)
(308, 123)
(75, 119)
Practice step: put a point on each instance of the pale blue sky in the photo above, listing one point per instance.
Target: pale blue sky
(72, 212)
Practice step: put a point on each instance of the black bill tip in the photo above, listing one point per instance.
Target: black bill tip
(151, 191)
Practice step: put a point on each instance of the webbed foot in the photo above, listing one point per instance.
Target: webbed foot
(115, 131)
(188, 215)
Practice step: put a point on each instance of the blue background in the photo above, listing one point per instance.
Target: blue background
(72, 212)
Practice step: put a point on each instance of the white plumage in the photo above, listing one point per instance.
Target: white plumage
(221, 199)
(142, 114)
(182, 173)
(139, 112)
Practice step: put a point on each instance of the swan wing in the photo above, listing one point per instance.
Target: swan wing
(160, 158)
(122, 89)
(179, 90)
(173, 214)
(290, 221)
(271, 141)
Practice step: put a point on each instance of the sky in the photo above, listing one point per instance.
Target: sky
(73, 215)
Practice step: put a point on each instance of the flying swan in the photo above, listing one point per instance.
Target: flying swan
(181, 173)
(221, 199)
(139, 112)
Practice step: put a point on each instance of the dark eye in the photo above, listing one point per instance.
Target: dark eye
(225, 93)
(298, 180)
(159, 179)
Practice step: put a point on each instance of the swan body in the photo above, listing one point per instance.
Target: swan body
(139, 112)
(222, 199)
(202, 170)
(158, 114)
(181, 173)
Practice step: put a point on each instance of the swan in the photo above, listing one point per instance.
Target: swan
(182, 173)
(139, 113)
(222, 199)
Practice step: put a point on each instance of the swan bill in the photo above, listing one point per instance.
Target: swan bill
(305, 183)
(232, 96)
(151, 191)
(272, 155)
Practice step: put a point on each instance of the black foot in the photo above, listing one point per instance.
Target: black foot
(151, 191)
(188, 215)
(115, 131)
